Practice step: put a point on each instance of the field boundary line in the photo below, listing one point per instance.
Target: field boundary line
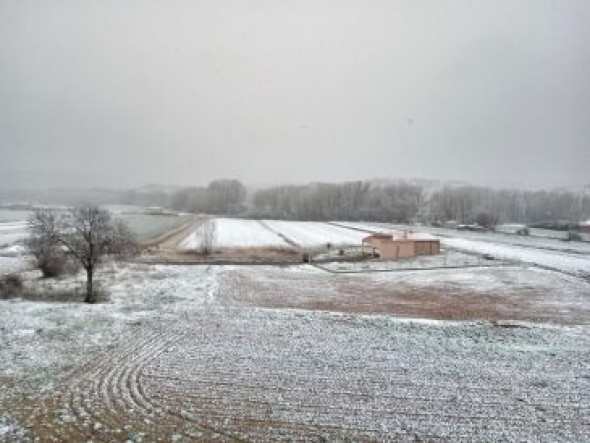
(339, 225)
(286, 238)
(218, 263)
(432, 268)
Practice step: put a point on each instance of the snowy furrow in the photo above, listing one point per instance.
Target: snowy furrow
(310, 234)
(185, 357)
(369, 227)
(236, 233)
(370, 379)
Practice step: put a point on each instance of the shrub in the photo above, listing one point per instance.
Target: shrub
(10, 286)
(54, 266)
(49, 257)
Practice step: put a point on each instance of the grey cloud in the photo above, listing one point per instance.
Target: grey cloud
(132, 92)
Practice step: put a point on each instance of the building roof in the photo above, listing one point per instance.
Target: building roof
(382, 235)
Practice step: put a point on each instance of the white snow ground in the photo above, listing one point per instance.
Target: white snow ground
(314, 234)
(543, 252)
(538, 242)
(371, 227)
(447, 258)
(382, 376)
(12, 232)
(538, 376)
(575, 264)
(236, 233)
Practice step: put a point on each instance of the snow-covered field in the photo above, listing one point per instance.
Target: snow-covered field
(313, 234)
(548, 233)
(370, 227)
(11, 232)
(243, 233)
(12, 215)
(447, 258)
(171, 356)
(13, 224)
(538, 242)
(267, 352)
(236, 233)
(575, 264)
(548, 243)
(503, 292)
(571, 257)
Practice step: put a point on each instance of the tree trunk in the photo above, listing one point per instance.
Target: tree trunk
(89, 289)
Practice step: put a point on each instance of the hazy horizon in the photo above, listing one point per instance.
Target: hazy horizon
(122, 94)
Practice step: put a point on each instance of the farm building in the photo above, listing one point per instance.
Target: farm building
(512, 228)
(585, 227)
(405, 246)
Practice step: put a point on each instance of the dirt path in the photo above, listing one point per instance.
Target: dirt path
(172, 239)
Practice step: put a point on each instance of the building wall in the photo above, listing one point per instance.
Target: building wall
(397, 249)
(403, 248)
(389, 249)
(426, 247)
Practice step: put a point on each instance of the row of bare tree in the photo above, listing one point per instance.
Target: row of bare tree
(219, 197)
(489, 206)
(344, 201)
(379, 201)
(407, 202)
(224, 196)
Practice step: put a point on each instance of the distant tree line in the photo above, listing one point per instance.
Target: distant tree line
(469, 204)
(405, 202)
(387, 201)
(400, 201)
(357, 200)
(224, 196)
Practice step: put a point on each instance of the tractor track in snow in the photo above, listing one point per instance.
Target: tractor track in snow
(228, 377)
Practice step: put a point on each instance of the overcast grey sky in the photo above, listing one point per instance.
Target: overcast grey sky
(181, 92)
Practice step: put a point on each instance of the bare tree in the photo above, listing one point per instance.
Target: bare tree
(88, 233)
(208, 237)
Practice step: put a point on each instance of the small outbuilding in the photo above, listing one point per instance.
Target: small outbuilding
(390, 247)
(512, 228)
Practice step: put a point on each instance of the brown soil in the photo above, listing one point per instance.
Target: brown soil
(226, 255)
(360, 294)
